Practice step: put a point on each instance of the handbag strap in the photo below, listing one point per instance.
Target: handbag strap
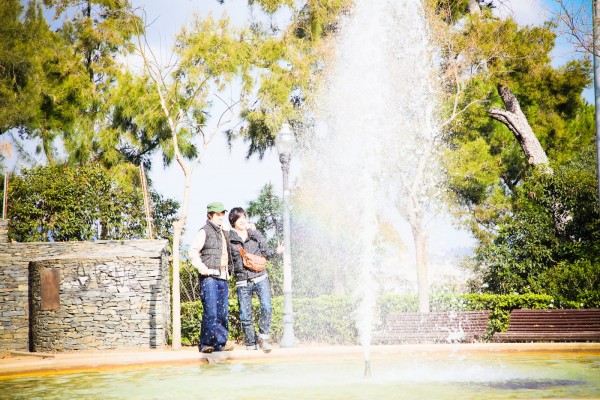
(242, 251)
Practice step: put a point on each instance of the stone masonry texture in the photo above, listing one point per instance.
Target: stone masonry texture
(112, 294)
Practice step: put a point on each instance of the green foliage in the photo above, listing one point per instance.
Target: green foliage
(552, 240)
(326, 319)
(484, 161)
(59, 203)
(502, 305)
(285, 70)
(391, 303)
(575, 285)
(164, 213)
(287, 63)
(332, 319)
(95, 34)
(268, 209)
(191, 320)
(318, 19)
(66, 83)
(315, 18)
(499, 305)
(28, 58)
(514, 211)
(98, 30)
(474, 171)
(137, 126)
(189, 281)
(210, 55)
(451, 11)
(271, 6)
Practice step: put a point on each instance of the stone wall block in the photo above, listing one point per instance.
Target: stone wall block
(117, 285)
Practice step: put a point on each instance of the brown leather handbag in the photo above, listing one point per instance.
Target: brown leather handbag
(252, 261)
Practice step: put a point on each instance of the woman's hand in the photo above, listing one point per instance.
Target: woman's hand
(280, 248)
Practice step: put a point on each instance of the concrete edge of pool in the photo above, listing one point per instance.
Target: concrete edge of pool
(20, 364)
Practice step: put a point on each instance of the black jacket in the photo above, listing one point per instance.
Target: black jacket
(255, 244)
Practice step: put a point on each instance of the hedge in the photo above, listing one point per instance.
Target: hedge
(331, 319)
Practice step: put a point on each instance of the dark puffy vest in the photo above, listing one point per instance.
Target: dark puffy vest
(213, 246)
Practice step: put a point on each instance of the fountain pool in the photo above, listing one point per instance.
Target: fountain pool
(428, 374)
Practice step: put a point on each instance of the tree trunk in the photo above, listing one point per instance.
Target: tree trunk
(421, 240)
(474, 7)
(176, 339)
(517, 123)
(416, 213)
(338, 282)
(177, 230)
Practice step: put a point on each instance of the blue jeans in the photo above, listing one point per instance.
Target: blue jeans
(214, 294)
(244, 294)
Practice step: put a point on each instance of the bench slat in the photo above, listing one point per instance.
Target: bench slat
(547, 336)
(552, 325)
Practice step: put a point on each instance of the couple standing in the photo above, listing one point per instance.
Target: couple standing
(215, 253)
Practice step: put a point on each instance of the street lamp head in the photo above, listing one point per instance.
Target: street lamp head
(285, 140)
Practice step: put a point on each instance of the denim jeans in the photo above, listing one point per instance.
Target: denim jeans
(244, 294)
(214, 329)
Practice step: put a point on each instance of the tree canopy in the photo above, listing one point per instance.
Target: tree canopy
(60, 203)
(510, 206)
(62, 84)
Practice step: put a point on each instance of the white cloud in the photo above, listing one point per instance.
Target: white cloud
(525, 12)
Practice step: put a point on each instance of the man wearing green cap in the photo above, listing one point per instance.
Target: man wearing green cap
(210, 255)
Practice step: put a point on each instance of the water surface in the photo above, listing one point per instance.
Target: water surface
(497, 376)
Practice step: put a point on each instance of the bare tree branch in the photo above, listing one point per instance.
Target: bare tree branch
(575, 21)
(517, 123)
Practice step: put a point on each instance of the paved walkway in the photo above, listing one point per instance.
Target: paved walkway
(20, 363)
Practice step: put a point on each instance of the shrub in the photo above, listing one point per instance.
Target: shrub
(332, 319)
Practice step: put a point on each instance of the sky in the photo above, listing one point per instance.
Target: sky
(225, 174)
(213, 179)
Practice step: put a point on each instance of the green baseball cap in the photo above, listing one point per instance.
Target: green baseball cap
(215, 207)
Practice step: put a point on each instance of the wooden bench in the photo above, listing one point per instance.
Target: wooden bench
(435, 327)
(552, 326)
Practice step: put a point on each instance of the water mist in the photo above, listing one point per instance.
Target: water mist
(373, 115)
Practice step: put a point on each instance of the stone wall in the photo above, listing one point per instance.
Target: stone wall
(110, 294)
(3, 230)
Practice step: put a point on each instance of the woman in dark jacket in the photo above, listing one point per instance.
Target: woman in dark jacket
(249, 281)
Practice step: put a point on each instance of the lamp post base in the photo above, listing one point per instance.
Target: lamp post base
(288, 339)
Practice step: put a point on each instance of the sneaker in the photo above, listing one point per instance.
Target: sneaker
(251, 347)
(265, 345)
(225, 347)
(207, 349)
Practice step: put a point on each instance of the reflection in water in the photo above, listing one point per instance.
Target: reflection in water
(514, 384)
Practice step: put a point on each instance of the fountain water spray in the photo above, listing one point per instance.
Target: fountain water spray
(367, 368)
(373, 114)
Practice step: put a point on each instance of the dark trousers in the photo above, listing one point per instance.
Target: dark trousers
(214, 294)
